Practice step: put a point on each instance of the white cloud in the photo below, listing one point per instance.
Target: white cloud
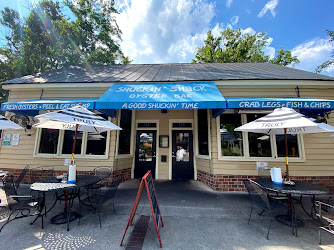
(157, 31)
(228, 3)
(271, 5)
(169, 31)
(313, 53)
(234, 20)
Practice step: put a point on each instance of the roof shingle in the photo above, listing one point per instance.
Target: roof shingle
(169, 73)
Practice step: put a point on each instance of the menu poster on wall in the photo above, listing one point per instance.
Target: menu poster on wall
(15, 139)
(6, 139)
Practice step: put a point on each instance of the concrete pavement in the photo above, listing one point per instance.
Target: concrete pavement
(194, 216)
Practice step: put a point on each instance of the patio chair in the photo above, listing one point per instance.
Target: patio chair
(21, 176)
(260, 198)
(102, 196)
(104, 173)
(41, 173)
(325, 214)
(20, 206)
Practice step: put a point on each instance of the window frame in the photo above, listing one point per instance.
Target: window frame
(247, 157)
(196, 152)
(132, 139)
(60, 147)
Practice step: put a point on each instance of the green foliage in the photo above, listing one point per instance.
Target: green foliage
(331, 61)
(211, 50)
(47, 39)
(237, 46)
(284, 58)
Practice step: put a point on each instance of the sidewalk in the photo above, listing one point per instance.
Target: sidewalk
(194, 216)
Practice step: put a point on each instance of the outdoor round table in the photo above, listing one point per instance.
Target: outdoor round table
(72, 191)
(300, 188)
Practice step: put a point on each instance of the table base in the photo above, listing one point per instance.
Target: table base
(63, 219)
(286, 220)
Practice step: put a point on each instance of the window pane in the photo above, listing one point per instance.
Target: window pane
(203, 139)
(293, 150)
(145, 147)
(182, 145)
(49, 141)
(231, 141)
(68, 142)
(125, 134)
(259, 144)
(96, 143)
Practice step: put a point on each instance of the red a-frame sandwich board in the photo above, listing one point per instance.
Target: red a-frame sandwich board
(147, 180)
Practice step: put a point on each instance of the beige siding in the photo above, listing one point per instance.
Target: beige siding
(21, 155)
(319, 148)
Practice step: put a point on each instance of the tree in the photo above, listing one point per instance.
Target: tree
(96, 30)
(211, 50)
(47, 39)
(331, 61)
(284, 58)
(237, 46)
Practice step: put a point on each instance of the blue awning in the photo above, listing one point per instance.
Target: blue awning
(277, 102)
(47, 104)
(306, 105)
(192, 95)
(31, 107)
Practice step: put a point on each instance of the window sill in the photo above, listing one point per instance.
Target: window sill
(205, 157)
(255, 159)
(69, 156)
(124, 156)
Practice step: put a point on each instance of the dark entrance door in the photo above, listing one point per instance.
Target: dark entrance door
(182, 164)
(145, 153)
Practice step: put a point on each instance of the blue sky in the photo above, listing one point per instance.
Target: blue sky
(156, 31)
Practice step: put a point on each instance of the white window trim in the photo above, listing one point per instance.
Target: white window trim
(196, 152)
(133, 119)
(246, 156)
(59, 155)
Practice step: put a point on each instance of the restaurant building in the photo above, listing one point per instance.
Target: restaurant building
(178, 121)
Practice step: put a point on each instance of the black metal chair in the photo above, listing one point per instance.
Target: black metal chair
(41, 173)
(260, 198)
(325, 213)
(20, 206)
(102, 196)
(104, 173)
(20, 178)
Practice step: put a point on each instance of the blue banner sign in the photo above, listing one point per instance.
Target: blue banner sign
(194, 95)
(277, 102)
(50, 104)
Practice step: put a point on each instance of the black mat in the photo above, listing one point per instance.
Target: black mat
(137, 237)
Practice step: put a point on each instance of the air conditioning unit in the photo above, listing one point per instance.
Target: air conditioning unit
(22, 120)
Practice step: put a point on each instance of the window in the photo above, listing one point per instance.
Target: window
(125, 134)
(96, 143)
(231, 141)
(258, 144)
(49, 141)
(203, 138)
(253, 145)
(68, 142)
(60, 143)
(293, 149)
